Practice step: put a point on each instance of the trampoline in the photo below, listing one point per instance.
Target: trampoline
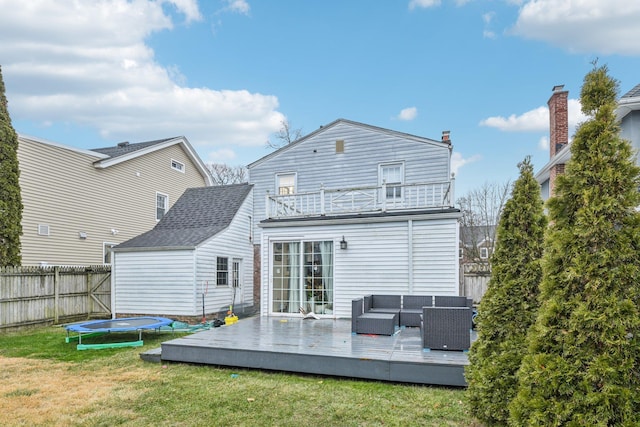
(100, 327)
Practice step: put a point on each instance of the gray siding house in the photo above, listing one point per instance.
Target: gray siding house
(353, 209)
(199, 253)
(628, 112)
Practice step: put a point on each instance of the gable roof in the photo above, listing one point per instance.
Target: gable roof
(352, 123)
(199, 214)
(475, 235)
(126, 151)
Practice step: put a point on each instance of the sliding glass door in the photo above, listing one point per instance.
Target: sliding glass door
(302, 274)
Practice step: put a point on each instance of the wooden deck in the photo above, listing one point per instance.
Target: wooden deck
(323, 347)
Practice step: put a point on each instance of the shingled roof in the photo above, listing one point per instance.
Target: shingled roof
(633, 93)
(199, 214)
(126, 147)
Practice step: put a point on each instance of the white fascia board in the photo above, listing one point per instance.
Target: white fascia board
(627, 105)
(110, 161)
(560, 158)
(360, 220)
(63, 146)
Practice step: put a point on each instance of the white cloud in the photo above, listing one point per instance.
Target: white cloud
(238, 6)
(424, 4)
(543, 143)
(188, 7)
(224, 155)
(87, 63)
(457, 161)
(590, 26)
(408, 114)
(536, 120)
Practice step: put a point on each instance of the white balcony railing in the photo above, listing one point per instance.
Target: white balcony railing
(434, 195)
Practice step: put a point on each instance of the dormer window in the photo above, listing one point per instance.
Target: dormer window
(176, 165)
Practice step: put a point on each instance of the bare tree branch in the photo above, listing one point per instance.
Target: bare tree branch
(224, 174)
(285, 136)
(481, 210)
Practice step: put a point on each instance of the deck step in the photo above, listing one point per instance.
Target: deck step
(154, 355)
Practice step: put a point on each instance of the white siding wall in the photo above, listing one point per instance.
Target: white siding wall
(377, 259)
(316, 162)
(154, 283)
(232, 243)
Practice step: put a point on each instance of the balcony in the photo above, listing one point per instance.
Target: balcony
(343, 201)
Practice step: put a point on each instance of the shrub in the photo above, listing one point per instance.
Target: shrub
(582, 363)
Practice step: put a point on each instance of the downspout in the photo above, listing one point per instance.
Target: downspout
(410, 253)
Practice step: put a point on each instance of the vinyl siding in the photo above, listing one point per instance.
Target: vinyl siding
(316, 162)
(172, 282)
(62, 188)
(232, 243)
(377, 258)
(154, 283)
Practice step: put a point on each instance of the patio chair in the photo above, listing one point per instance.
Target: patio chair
(446, 328)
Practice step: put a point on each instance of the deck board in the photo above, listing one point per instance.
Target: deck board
(323, 347)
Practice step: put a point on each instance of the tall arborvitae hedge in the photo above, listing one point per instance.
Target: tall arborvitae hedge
(583, 362)
(10, 198)
(509, 306)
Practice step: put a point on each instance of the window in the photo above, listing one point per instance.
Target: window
(484, 253)
(392, 174)
(235, 273)
(222, 271)
(340, 146)
(286, 183)
(43, 229)
(162, 202)
(176, 165)
(107, 252)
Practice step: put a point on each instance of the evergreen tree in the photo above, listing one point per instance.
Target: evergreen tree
(10, 198)
(509, 306)
(582, 364)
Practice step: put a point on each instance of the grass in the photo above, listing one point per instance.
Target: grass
(45, 381)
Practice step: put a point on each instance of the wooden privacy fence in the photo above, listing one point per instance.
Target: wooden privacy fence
(475, 278)
(44, 295)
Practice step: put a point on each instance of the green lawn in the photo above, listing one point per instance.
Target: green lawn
(115, 387)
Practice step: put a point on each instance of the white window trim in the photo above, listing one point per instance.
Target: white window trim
(277, 181)
(228, 273)
(237, 261)
(175, 167)
(484, 251)
(104, 244)
(381, 166)
(166, 208)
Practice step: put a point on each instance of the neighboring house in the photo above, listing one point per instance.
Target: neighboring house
(200, 253)
(79, 203)
(353, 209)
(477, 243)
(628, 112)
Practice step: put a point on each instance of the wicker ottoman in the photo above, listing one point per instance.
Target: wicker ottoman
(377, 323)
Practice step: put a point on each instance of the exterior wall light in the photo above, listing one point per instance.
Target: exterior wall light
(343, 243)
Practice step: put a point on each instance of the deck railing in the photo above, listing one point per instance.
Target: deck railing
(383, 198)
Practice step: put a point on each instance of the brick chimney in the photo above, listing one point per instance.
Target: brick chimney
(558, 131)
(558, 120)
(445, 136)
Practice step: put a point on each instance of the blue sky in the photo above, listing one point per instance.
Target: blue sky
(225, 73)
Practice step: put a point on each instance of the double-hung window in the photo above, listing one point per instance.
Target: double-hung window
(392, 175)
(286, 183)
(162, 205)
(222, 271)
